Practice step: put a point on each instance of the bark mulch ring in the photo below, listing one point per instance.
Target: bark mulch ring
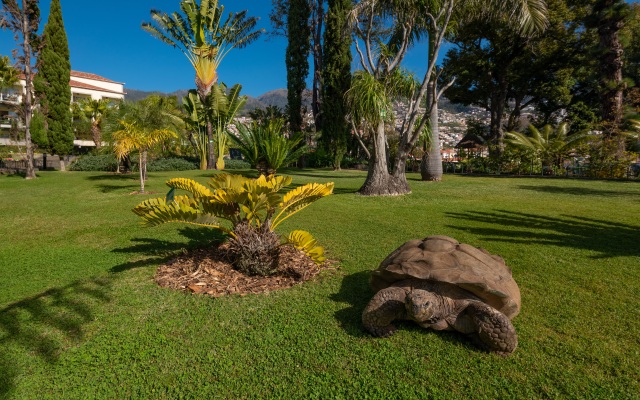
(209, 272)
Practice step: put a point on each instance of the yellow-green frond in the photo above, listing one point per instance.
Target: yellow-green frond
(228, 181)
(191, 186)
(303, 241)
(300, 198)
(182, 209)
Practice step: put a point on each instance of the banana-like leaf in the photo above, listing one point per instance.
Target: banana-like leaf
(183, 209)
(228, 181)
(198, 190)
(303, 240)
(300, 198)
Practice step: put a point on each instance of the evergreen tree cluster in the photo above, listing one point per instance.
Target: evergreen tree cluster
(297, 55)
(336, 80)
(51, 84)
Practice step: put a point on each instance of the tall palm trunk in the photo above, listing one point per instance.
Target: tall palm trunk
(96, 134)
(203, 92)
(431, 163)
(143, 169)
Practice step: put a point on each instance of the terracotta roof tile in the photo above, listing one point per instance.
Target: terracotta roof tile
(83, 85)
(87, 75)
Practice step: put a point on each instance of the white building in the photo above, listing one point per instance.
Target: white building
(83, 85)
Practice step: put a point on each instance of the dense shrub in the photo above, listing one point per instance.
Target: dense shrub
(95, 162)
(318, 159)
(236, 164)
(171, 164)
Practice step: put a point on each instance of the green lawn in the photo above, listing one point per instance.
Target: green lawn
(80, 316)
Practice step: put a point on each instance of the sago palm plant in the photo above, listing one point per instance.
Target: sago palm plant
(253, 209)
(266, 147)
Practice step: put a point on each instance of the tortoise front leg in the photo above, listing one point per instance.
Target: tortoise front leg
(387, 305)
(490, 328)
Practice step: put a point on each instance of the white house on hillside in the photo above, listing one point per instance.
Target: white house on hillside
(83, 85)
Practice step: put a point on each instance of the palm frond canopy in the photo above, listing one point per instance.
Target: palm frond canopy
(202, 35)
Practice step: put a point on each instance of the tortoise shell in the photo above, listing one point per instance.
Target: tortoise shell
(444, 259)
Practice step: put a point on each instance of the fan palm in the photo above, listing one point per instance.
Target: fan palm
(142, 125)
(195, 122)
(221, 107)
(549, 144)
(265, 147)
(202, 35)
(9, 76)
(95, 111)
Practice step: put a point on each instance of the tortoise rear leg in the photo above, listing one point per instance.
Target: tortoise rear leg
(387, 305)
(490, 328)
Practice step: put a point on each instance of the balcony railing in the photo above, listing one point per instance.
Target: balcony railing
(9, 97)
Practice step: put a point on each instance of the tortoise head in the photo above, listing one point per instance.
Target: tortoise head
(422, 306)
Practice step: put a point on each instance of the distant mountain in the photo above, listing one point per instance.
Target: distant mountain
(136, 95)
(276, 98)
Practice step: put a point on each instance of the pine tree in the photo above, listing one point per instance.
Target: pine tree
(336, 80)
(297, 58)
(51, 84)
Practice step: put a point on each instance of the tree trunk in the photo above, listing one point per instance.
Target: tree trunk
(379, 182)
(609, 26)
(431, 163)
(96, 134)
(26, 48)
(143, 169)
(316, 38)
(498, 102)
(211, 155)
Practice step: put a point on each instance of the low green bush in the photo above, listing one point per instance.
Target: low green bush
(171, 164)
(236, 164)
(95, 162)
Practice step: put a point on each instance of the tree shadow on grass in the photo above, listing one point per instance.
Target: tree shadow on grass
(354, 291)
(578, 191)
(117, 188)
(157, 251)
(114, 177)
(608, 239)
(45, 324)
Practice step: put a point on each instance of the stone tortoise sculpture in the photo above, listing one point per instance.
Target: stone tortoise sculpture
(446, 285)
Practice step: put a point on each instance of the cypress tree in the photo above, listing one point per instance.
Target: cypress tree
(297, 58)
(336, 80)
(51, 83)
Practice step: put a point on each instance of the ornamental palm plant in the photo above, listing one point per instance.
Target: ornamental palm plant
(254, 209)
(94, 111)
(266, 147)
(140, 126)
(549, 144)
(202, 35)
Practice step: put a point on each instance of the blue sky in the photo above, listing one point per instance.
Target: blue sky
(105, 38)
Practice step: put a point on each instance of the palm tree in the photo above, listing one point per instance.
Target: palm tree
(196, 125)
(142, 125)
(9, 76)
(221, 108)
(265, 147)
(549, 144)
(200, 33)
(95, 111)
(385, 30)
